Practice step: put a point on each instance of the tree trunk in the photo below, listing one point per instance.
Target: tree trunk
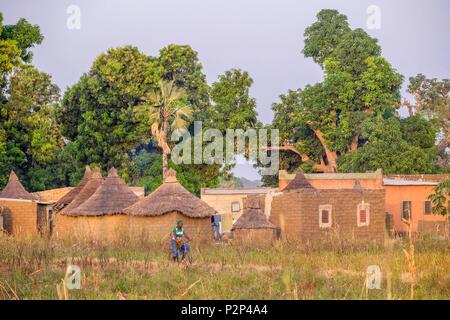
(165, 148)
(165, 164)
(331, 155)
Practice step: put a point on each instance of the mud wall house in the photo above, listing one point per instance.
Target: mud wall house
(101, 216)
(65, 222)
(229, 202)
(369, 180)
(407, 198)
(403, 194)
(22, 213)
(305, 213)
(156, 214)
(253, 228)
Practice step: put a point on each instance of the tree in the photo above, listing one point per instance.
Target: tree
(439, 198)
(166, 108)
(31, 135)
(15, 42)
(432, 100)
(387, 148)
(98, 112)
(323, 36)
(233, 108)
(337, 124)
(180, 63)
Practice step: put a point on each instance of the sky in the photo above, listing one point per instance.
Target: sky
(263, 37)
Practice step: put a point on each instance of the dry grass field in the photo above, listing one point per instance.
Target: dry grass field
(135, 268)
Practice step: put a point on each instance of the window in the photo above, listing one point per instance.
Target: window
(235, 207)
(363, 214)
(406, 210)
(325, 216)
(427, 207)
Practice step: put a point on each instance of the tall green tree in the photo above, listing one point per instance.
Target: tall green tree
(233, 108)
(98, 111)
(180, 63)
(432, 101)
(32, 138)
(336, 124)
(166, 108)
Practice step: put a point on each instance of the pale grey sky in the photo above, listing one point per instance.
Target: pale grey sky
(264, 37)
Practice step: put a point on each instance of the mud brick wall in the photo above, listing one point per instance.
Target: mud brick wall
(255, 237)
(100, 227)
(285, 213)
(297, 214)
(160, 227)
(433, 227)
(20, 217)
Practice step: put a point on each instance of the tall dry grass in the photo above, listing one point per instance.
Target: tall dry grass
(133, 267)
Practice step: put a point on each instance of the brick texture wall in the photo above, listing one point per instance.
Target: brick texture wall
(297, 213)
(19, 217)
(255, 237)
(159, 227)
(110, 227)
(102, 227)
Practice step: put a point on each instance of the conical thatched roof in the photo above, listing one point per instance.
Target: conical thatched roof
(171, 196)
(15, 190)
(253, 217)
(86, 192)
(68, 198)
(299, 182)
(110, 198)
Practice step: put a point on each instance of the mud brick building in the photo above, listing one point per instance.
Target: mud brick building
(156, 214)
(100, 215)
(22, 213)
(253, 227)
(304, 212)
(229, 202)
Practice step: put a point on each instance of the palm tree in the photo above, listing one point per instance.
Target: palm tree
(166, 107)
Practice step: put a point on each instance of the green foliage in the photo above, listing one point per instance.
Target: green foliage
(98, 111)
(322, 37)
(233, 106)
(25, 36)
(28, 127)
(439, 198)
(432, 101)
(180, 63)
(147, 170)
(386, 148)
(339, 123)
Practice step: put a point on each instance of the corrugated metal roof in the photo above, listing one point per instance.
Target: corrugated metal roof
(393, 182)
(239, 191)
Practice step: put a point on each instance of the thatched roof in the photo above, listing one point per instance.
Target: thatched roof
(86, 192)
(253, 217)
(15, 190)
(299, 182)
(68, 198)
(171, 196)
(110, 198)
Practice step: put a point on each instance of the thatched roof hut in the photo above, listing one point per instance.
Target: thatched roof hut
(253, 227)
(94, 181)
(171, 196)
(15, 190)
(68, 198)
(110, 198)
(156, 214)
(299, 182)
